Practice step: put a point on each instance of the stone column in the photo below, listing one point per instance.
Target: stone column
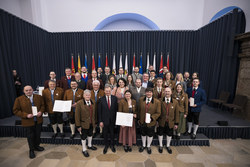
(243, 83)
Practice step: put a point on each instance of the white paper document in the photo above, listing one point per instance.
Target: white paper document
(41, 90)
(124, 119)
(45, 115)
(62, 106)
(191, 101)
(148, 119)
(34, 110)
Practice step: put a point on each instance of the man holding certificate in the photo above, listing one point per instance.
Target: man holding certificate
(75, 95)
(107, 108)
(197, 97)
(148, 112)
(30, 108)
(56, 118)
(85, 120)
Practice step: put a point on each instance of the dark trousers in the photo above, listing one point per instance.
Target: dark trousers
(193, 116)
(33, 135)
(147, 131)
(108, 129)
(56, 117)
(165, 130)
(87, 132)
(71, 118)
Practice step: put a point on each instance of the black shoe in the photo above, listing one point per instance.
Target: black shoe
(125, 148)
(169, 150)
(85, 153)
(193, 136)
(178, 137)
(54, 136)
(92, 148)
(174, 137)
(38, 148)
(160, 149)
(105, 150)
(113, 149)
(32, 154)
(72, 136)
(101, 135)
(129, 149)
(141, 149)
(149, 150)
(62, 135)
(187, 133)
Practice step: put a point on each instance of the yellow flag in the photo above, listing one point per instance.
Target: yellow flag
(79, 64)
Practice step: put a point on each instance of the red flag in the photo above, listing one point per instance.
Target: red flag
(168, 61)
(72, 65)
(106, 60)
(161, 65)
(134, 62)
(93, 62)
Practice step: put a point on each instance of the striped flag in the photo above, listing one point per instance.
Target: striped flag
(72, 65)
(147, 69)
(154, 63)
(126, 64)
(161, 65)
(168, 61)
(106, 64)
(93, 62)
(134, 62)
(85, 61)
(114, 66)
(140, 68)
(79, 63)
(99, 60)
(120, 63)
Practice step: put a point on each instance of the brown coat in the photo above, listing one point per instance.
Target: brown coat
(68, 95)
(169, 83)
(64, 82)
(182, 101)
(173, 118)
(123, 106)
(58, 95)
(46, 83)
(99, 95)
(90, 84)
(154, 110)
(155, 93)
(82, 114)
(22, 107)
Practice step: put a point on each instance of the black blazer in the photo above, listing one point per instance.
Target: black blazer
(81, 85)
(105, 78)
(106, 115)
(150, 84)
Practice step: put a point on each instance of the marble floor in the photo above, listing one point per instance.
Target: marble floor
(221, 153)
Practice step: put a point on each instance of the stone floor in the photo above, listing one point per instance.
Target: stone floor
(221, 153)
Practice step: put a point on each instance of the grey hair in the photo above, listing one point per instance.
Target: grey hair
(87, 91)
(138, 79)
(96, 81)
(107, 86)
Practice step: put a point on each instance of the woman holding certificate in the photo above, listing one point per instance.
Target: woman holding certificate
(127, 135)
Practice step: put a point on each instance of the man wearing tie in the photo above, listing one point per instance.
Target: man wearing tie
(107, 109)
(158, 91)
(148, 112)
(75, 95)
(121, 74)
(65, 80)
(25, 107)
(105, 77)
(85, 121)
(96, 94)
(94, 77)
(200, 98)
(136, 74)
(52, 76)
(145, 81)
(138, 91)
(85, 75)
(81, 84)
(169, 119)
(56, 118)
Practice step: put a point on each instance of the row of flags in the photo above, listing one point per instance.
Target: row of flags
(120, 63)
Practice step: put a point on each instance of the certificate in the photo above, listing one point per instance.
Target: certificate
(124, 119)
(191, 101)
(45, 115)
(34, 110)
(41, 90)
(148, 119)
(62, 106)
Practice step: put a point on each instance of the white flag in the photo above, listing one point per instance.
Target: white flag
(120, 63)
(126, 64)
(114, 66)
(147, 63)
(154, 63)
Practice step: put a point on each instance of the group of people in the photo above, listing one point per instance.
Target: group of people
(160, 105)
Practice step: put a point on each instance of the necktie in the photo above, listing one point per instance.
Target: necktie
(84, 76)
(193, 92)
(74, 100)
(108, 102)
(167, 109)
(95, 96)
(52, 97)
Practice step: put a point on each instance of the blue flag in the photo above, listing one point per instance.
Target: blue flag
(99, 61)
(86, 64)
(140, 68)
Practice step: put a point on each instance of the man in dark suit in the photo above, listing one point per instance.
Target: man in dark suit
(107, 108)
(81, 84)
(85, 75)
(52, 76)
(121, 74)
(165, 70)
(93, 78)
(105, 76)
(137, 91)
(200, 98)
(99, 73)
(145, 81)
(33, 123)
(66, 80)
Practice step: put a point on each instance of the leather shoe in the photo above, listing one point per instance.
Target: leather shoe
(85, 153)
(193, 136)
(129, 149)
(149, 150)
(72, 136)
(141, 149)
(32, 154)
(187, 133)
(169, 150)
(92, 148)
(160, 149)
(62, 135)
(113, 149)
(105, 150)
(54, 136)
(178, 137)
(38, 148)
(125, 148)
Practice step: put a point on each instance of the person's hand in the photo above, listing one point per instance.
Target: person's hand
(194, 105)
(134, 115)
(79, 130)
(176, 126)
(123, 126)
(73, 105)
(39, 114)
(30, 116)
(185, 115)
(101, 124)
